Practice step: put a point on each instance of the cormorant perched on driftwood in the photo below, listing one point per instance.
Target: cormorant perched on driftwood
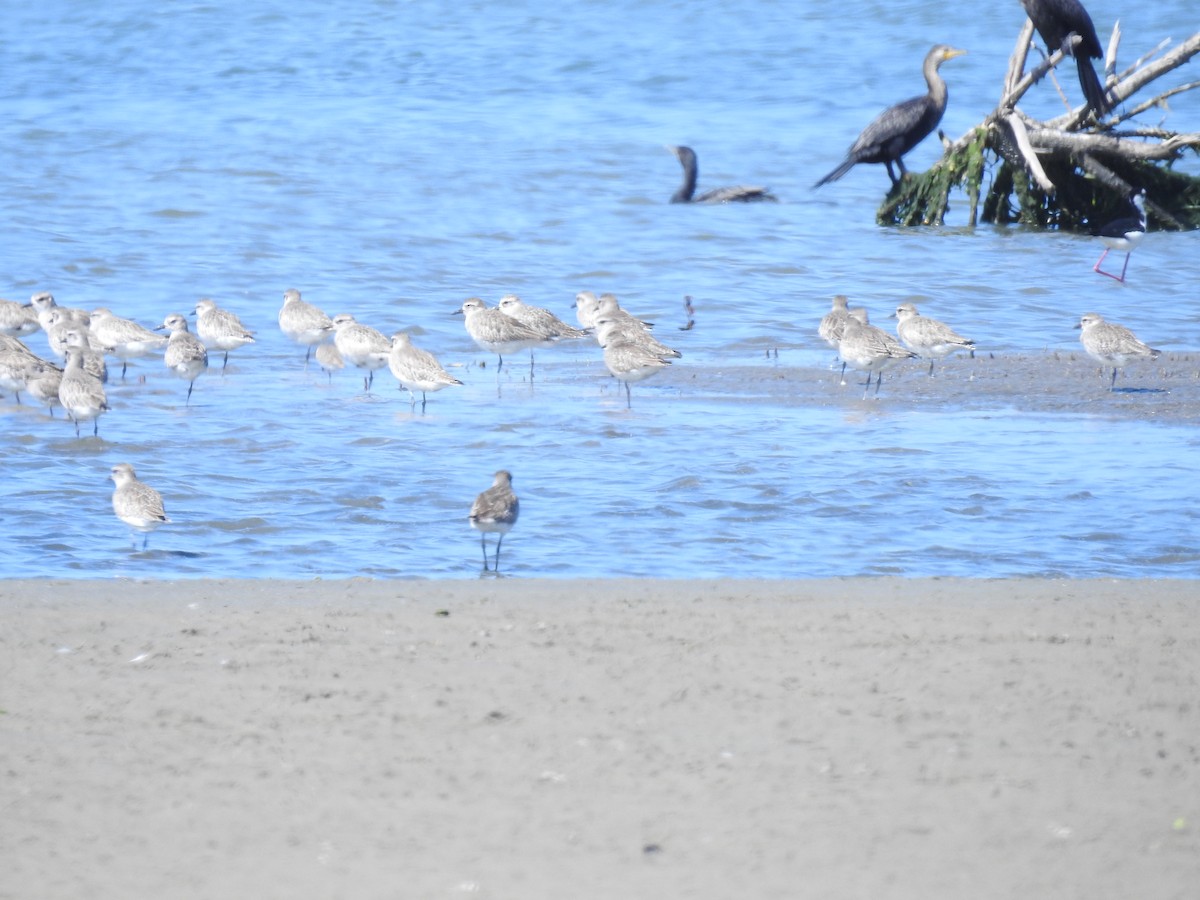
(899, 128)
(738, 194)
(1057, 20)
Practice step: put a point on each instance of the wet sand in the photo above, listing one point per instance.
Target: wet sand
(897, 738)
(1166, 389)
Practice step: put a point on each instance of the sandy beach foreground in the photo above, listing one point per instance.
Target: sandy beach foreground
(602, 739)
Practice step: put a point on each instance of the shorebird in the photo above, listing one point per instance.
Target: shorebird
(928, 337)
(361, 346)
(628, 358)
(220, 329)
(868, 348)
(56, 321)
(541, 320)
(123, 338)
(1123, 234)
(492, 330)
(627, 328)
(14, 368)
(416, 369)
(136, 503)
(93, 360)
(329, 358)
(81, 395)
(17, 319)
(43, 380)
(832, 324)
(303, 323)
(586, 305)
(495, 511)
(1110, 344)
(186, 354)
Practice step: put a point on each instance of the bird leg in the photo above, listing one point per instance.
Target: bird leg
(483, 546)
(628, 397)
(187, 402)
(496, 567)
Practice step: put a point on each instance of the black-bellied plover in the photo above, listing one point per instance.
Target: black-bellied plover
(542, 320)
(1123, 234)
(17, 319)
(93, 360)
(186, 354)
(220, 329)
(124, 338)
(81, 395)
(927, 337)
(868, 348)
(628, 358)
(417, 369)
(136, 503)
(361, 346)
(495, 511)
(586, 305)
(492, 330)
(686, 193)
(329, 358)
(304, 323)
(1111, 344)
(43, 380)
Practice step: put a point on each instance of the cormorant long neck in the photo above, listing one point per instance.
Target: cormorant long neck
(687, 159)
(937, 86)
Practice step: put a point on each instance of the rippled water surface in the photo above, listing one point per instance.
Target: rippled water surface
(392, 159)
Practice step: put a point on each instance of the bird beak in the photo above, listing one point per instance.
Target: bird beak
(1077, 326)
(953, 52)
(457, 312)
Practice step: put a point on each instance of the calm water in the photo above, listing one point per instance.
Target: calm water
(391, 159)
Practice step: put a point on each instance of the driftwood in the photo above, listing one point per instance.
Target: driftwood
(1068, 172)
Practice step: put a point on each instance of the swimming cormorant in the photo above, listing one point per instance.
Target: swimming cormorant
(739, 194)
(899, 128)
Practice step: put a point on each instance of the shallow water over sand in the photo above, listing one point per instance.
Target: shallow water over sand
(410, 160)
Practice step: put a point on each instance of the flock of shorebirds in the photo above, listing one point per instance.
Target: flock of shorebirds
(83, 339)
(868, 348)
(631, 353)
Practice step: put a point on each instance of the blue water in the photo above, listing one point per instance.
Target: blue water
(392, 159)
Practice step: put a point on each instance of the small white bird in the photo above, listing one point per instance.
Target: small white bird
(81, 395)
(628, 358)
(123, 338)
(417, 369)
(304, 323)
(329, 358)
(868, 348)
(492, 330)
(136, 503)
(928, 337)
(495, 511)
(220, 329)
(1111, 344)
(17, 319)
(186, 354)
(361, 346)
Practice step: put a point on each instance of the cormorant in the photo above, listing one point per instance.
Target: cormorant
(1055, 21)
(1123, 234)
(899, 128)
(739, 194)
